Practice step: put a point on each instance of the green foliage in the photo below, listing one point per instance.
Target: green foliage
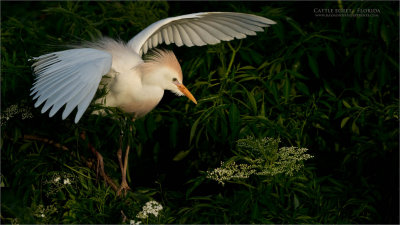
(328, 84)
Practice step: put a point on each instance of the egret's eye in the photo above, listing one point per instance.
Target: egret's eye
(174, 79)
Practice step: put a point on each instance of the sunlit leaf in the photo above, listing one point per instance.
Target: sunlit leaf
(346, 104)
(344, 121)
(328, 89)
(181, 155)
(355, 128)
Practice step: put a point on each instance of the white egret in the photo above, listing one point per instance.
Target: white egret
(72, 77)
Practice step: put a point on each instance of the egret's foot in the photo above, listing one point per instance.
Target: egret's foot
(123, 188)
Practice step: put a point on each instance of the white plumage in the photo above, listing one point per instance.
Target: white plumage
(72, 77)
(69, 77)
(198, 29)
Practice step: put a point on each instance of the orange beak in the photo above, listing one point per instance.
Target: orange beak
(186, 92)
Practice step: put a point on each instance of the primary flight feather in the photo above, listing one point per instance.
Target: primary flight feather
(72, 77)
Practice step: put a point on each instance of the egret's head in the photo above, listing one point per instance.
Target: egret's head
(167, 72)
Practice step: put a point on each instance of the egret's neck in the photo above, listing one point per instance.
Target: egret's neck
(155, 77)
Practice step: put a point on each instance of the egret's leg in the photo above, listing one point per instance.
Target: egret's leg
(124, 166)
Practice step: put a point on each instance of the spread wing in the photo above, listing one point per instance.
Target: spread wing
(69, 77)
(198, 29)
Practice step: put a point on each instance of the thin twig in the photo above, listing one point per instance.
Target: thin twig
(89, 164)
(45, 140)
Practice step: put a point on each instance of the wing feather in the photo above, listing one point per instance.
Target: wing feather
(83, 105)
(214, 31)
(165, 36)
(62, 99)
(194, 37)
(170, 34)
(242, 25)
(74, 102)
(185, 37)
(68, 56)
(43, 84)
(46, 84)
(198, 29)
(154, 40)
(53, 89)
(247, 21)
(177, 36)
(70, 78)
(251, 17)
(145, 47)
(205, 35)
(224, 28)
(160, 40)
(150, 43)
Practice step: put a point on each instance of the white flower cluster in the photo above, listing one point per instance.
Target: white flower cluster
(151, 207)
(231, 171)
(67, 181)
(58, 181)
(289, 161)
(13, 110)
(14, 221)
(264, 158)
(41, 211)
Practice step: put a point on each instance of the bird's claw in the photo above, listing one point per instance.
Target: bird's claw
(123, 188)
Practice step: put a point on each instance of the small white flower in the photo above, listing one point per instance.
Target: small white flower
(264, 157)
(134, 222)
(57, 179)
(142, 215)
(67, 181)
(42, 215)
(151, 207)
(15, 221)
(14, 110)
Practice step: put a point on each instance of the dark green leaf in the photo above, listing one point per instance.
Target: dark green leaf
(286, 89)
(313, 65)
(330, 54)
